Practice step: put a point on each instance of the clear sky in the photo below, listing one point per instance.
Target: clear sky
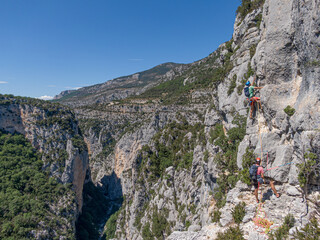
(48, 46)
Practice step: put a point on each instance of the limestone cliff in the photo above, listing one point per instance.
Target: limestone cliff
(179, 152)
(53, 131)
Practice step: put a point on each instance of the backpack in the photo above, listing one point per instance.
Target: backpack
(246, 92)
(253, 172)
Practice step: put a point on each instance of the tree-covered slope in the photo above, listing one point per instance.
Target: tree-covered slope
(31, 201)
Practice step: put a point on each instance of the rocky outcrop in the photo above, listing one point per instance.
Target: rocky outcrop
(120, 88)
(286, 62)
(279, 42)
(53, 131)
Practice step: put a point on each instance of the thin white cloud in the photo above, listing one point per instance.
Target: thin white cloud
(3, 82)
(73, 88)
(45, 97)
(52, 86)
(135, 59)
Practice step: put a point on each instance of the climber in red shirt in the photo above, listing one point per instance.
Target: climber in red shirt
(262, 180)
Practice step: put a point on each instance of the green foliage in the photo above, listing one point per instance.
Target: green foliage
(93, 213)
(54, 113)
(233, 85)
(64, 122)
(258, 20)
(239, 212)
(187, 160)
(313, 63)
(26, 192)
(226, 160)
(221, 190)
(204, 75)
(248, 6)
(253, 49)
(289, 110)
(249, 73)
(216, 216)
(233, 233)
(247, 161)
(308, 169)
(159, 225)
(283, 231)
(137, 221)
(188, 224)
(248, 158)
(146, 233)
(171, 148)
(310, 232)
(206, 156)
(111, 226)
(79, 143)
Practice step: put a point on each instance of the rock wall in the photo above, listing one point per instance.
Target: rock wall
(53, 131)
(279, 42)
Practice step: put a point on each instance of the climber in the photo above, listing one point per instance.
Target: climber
(250, 93)
(259, 179)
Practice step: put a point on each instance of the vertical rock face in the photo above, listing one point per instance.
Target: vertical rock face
(53, 131)
(161, 151)
(167, 150)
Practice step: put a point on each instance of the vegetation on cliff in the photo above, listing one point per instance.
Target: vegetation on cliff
(172, 147)
(248, 6)
(205, 74)
(29, 197)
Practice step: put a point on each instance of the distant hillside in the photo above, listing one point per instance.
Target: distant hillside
(121, 87)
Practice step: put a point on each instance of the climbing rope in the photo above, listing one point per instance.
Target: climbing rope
(261, 221)
(259, 129)
(264, 226)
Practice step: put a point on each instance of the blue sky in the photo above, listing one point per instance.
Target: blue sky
(48, 46)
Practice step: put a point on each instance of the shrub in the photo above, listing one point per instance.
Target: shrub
(310, 232)
(206, 156)
(233, 85)
(159, 225)
(289, 110)
(233, 233)
(146, 233)
(253, 50)
(308, 169)
(248, 6)
(27, 195)
(79, 143)
(247, 161)
(239, 212)
(111, 226)
(226, 159)
(216, 216)
(188, 224)
(258, 20)
(283, 231)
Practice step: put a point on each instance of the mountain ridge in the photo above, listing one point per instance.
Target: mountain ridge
(121, 87)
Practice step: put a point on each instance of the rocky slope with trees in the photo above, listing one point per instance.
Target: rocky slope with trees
(44, 163)
(179, 153)
(169, 154)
